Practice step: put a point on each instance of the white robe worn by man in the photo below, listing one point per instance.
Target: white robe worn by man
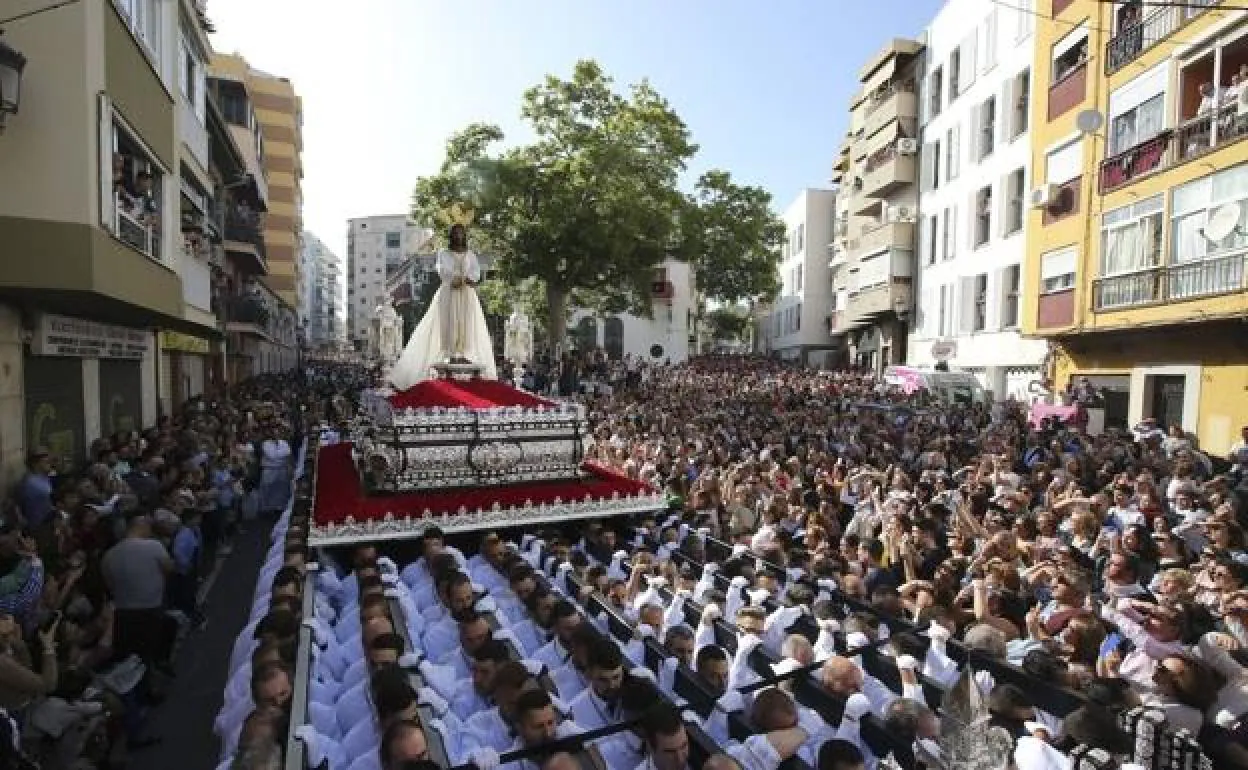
(454, 328)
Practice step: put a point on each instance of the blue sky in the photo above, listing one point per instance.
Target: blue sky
(763, 85)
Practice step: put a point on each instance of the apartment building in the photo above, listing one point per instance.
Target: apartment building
(323, 298)
(878, 169)
(797, 325)
(277, 112)
(377, 246)
(109, 153)
(974, 110)
(1138, 234)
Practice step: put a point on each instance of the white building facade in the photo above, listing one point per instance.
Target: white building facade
(798, 326)
(321, 294)
(376, 246)
(669, 335)
(975, 96)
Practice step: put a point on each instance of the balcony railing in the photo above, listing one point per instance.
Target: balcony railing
(1207, 132)
(1146, 156)
(244, 226)
(1131, 42)
(245, 309)
(133, 229)
(1203, 278)
(886, 92)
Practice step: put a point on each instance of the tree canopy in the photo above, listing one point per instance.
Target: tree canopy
(592, 205)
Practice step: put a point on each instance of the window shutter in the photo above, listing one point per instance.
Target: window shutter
(976, 117)
(1005, 112)
(955, 143)
(923, 247)
(925, 166)
(966, 304)
(953, 234)
(994, 293)
(1001, 202)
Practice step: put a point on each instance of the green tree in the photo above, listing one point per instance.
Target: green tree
(591, 206)
(727, 323)
(732, 238)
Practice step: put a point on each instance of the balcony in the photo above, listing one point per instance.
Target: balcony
(888, 235)
(896, 100)
(1206, 133)
(886, 171)
(877, 300)
(1134, 39)
(246, 314)
(1126, 166)
(244, 237)
(137, 230)
(1207, 277)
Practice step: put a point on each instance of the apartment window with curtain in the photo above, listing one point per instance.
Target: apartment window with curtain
(986, 118)
(983, 216)
(1020, 104)
(1016, 191)
(955, 67)
(1198, 264)
(979, 321)
(1137, 124)
(1131, 237)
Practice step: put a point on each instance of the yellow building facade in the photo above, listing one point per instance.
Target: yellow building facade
(1138, 232)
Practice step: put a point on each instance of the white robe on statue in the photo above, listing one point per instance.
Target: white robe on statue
(454, 325)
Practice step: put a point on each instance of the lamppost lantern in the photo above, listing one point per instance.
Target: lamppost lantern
(12, 62)
(901, 306)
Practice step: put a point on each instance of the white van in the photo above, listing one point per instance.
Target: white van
(950, 387)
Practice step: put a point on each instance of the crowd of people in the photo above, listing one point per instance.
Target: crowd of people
(814, 521)
(102, 561)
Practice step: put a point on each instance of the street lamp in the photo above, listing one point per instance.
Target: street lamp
(12, 62)
(901, 306)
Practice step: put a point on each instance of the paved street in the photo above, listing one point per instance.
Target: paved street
(184, 721)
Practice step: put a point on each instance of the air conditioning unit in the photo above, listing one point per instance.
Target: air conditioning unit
(900, 214)
(907, 146)
(1044, 195)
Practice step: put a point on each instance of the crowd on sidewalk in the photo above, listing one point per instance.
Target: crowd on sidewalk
(101, 566)
(813, 518)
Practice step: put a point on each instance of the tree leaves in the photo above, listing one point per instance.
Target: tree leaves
(593, 205)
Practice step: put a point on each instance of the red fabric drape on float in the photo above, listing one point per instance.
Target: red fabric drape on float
(472, 394)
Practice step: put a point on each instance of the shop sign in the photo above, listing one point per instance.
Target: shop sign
(183, 343)
(58, 335)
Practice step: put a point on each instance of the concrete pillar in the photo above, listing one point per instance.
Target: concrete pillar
(12, 397)
(91, 419)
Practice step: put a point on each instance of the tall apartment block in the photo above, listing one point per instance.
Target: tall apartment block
(878, 170)
(795, 328)
(279, 113)
(376, 247)
(1137, 232)
(975, 158)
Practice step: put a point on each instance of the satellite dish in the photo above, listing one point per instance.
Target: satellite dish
(1089, 121)
(1222, 222)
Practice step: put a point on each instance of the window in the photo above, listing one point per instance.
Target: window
(966, 62)
(797, 318)
(192, 78)
(801, 238)
(1070, 53)
(1018, 101)
(951, 226)
(1064, 163)
(234, 107)
(132, 186)
(930, 160)
(934, 83)
(930, 239)
(1057, 270)
(1195, 202)
(955, 68)
(983, 216)
(799, 278)
(363, 270)
(1011, 284)
(1137, 110)
(1024, 18)
(986, 124)
(1015, 190)
(1131, 237)
(392, 240)
(944, 325)
(952, 162)
(990, 40)
(979, 319)
(143, 17)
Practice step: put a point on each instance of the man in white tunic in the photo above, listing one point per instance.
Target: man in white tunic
(453, 329)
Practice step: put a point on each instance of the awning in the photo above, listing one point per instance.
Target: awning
(881, 75)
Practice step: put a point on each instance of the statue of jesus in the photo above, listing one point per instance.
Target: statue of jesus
(453, 329)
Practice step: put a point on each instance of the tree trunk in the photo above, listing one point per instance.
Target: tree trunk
(557, 328)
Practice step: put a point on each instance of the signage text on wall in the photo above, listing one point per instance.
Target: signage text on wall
(183, 343)
(58, 335)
